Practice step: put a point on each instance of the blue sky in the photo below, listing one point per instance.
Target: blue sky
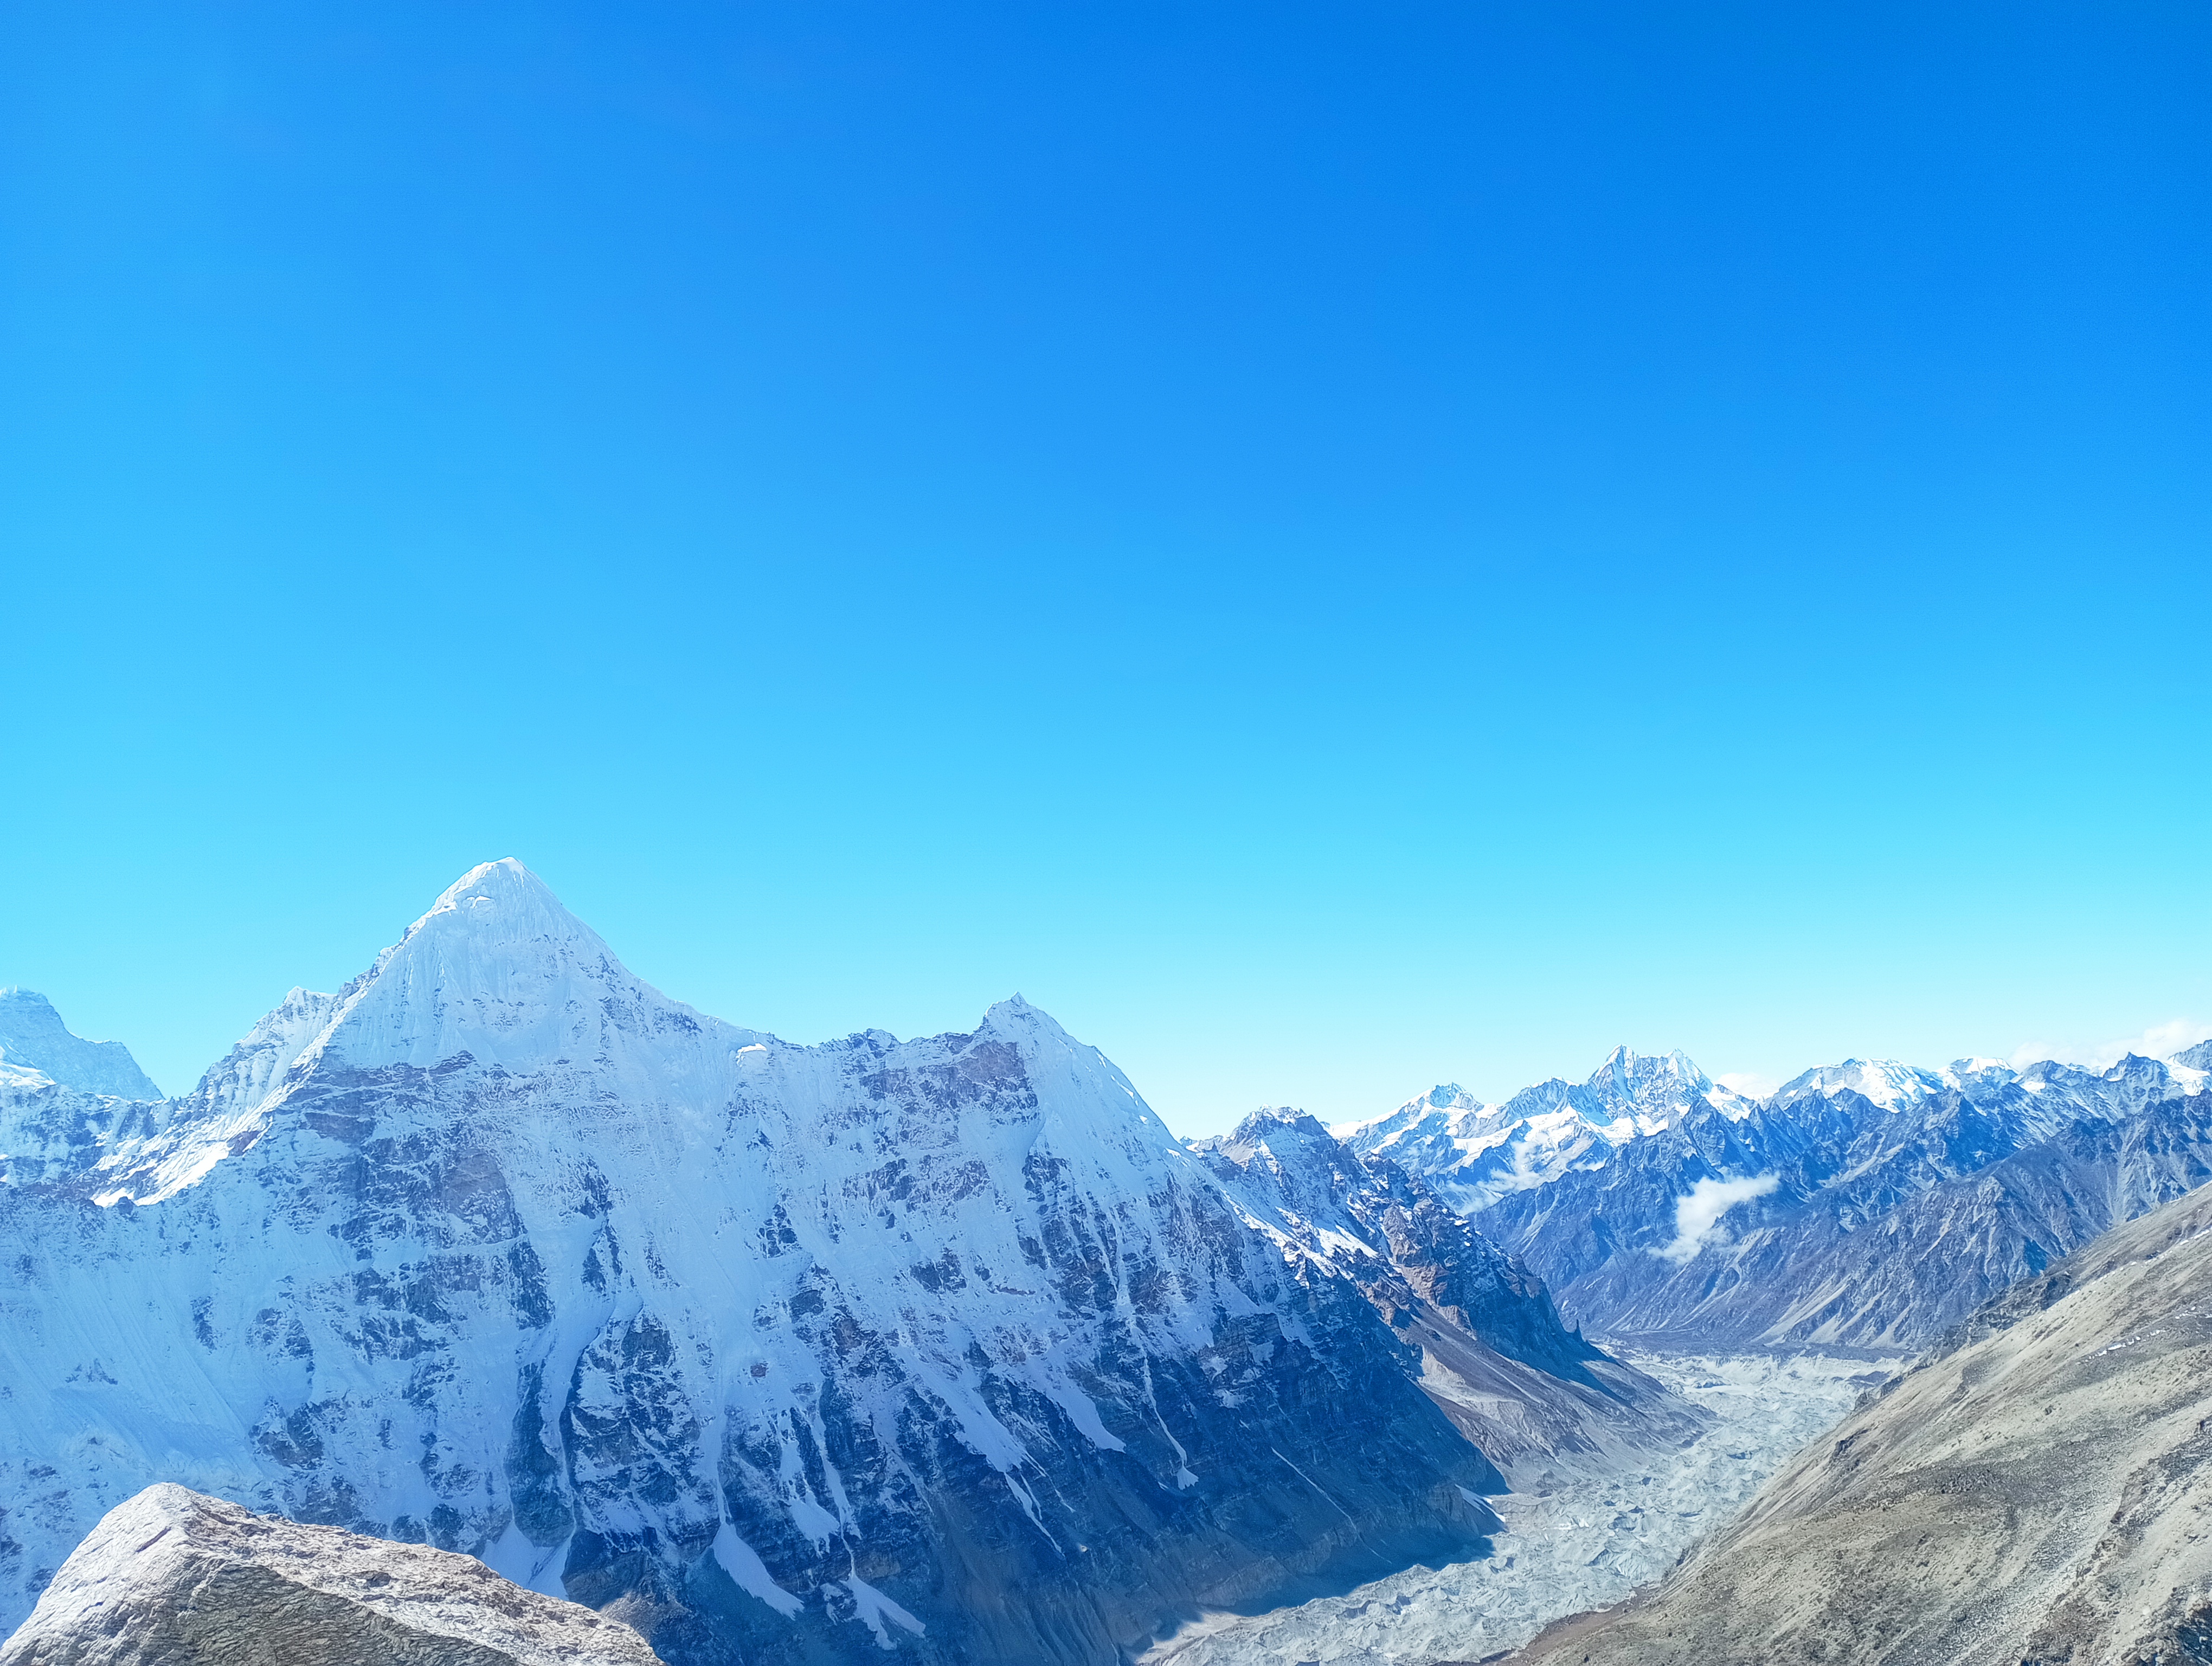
(1333, 548)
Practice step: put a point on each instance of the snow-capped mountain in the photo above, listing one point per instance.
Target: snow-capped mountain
(34, 1040)
(1474, 1153)
(944, 1346)
(1869, 1203)
(1538, 1400)
(1882, 1082)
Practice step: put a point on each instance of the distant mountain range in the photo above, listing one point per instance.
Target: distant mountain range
(1868, 1204)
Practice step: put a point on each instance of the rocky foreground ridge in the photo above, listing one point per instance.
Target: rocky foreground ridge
(171, 1577)
(2038, 1491)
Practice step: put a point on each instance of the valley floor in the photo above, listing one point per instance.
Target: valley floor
(1582, 1546)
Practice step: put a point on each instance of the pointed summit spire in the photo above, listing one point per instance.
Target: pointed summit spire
(502, 883)
(503, 902)
(497, 968)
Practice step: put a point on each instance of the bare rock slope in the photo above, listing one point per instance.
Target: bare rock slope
(172, 1577)
(2037, 1492)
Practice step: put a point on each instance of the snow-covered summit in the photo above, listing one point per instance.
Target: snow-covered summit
(1649, 1093)
(1475, 1153)
(32, 1037)
(1886, 1082)
(1445, 1105)
(499, 969)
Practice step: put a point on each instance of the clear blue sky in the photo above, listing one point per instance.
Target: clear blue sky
(1332, 547)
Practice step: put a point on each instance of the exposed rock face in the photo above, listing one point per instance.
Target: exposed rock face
(944, 1346)
(2038, 1492)
(1541, 1402)
(171, 1577)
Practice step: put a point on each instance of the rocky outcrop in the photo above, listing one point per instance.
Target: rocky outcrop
(171, 1577)
(2038, 1492)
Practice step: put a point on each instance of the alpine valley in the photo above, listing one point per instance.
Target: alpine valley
(947, 1349)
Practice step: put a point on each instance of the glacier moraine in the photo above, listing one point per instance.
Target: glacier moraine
(1582, 1546)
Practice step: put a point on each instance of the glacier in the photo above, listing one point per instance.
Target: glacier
(1582, 1545)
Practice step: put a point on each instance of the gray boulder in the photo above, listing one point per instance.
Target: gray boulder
(172, 1577)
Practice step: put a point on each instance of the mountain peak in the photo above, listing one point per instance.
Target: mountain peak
(497, 968)
(1627, 1067)
(502, 884)
(1300, 1130)
(1018, 1021)
(500, 903)
(33, 1037)
(1888, 1083)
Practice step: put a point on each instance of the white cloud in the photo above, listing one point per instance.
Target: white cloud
(1698, 1216)
(1749, 1083)
(2156, 1042)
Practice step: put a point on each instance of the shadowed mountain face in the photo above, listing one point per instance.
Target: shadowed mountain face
(943, 1347)
(2036, 1492)
(1541, 1402)
(1866, 1205)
